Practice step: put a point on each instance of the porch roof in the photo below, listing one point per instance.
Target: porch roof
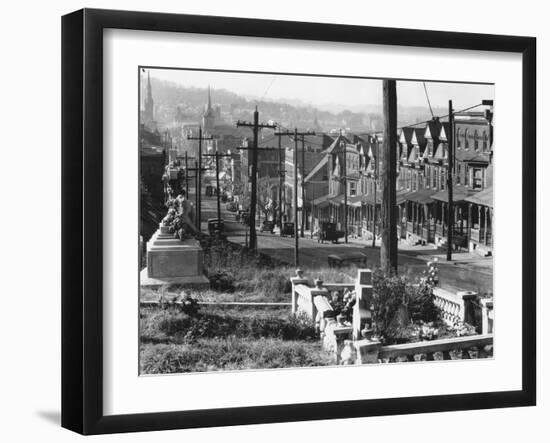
(459, 194)
(483, 198)
(422, 196)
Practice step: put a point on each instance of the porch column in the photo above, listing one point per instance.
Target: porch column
(485, 227)
(479, 217)
(469, 222)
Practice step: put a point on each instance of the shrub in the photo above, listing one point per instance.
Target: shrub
(397, 301)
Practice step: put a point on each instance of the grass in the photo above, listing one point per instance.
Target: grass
(226, 338)
(232, 353)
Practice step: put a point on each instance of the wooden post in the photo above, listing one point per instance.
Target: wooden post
(450, 167)
(388, 249)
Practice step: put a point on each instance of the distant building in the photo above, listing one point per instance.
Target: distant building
(148, 115)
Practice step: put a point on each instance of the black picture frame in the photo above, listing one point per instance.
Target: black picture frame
(82, 215)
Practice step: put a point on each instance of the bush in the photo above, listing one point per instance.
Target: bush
(397, 302)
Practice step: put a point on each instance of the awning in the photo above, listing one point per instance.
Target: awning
(422, 196)
(483, 198)
(460, 194)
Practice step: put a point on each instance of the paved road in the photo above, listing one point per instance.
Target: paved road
(314, 255)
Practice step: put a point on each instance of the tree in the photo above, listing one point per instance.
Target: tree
(265, 196)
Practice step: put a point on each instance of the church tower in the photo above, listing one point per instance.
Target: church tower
(209, 116)
(149, 105)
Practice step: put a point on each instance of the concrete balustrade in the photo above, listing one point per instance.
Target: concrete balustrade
(349, 343)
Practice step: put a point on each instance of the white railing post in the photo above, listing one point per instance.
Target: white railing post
(487, 315)
(298, 279)
(363, 302)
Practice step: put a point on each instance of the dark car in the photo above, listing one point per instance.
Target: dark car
(288, 229)
(231, 207)
(267, 226)
(328, 232)
(347, 258)
(215, 226)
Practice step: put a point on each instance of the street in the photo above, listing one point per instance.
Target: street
(455, 275)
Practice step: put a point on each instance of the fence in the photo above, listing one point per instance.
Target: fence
(346, 339)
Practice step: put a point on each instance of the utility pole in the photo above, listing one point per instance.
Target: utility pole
(256, 126)
(217, 156)
(450, 167)
(376, 160)
(281, 173)
(186, 176)
(388, 248)
(303, 187)
(345, 181)
(198, 171)
(296, 134)
(200, 138)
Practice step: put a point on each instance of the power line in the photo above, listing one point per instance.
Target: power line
(428, 98)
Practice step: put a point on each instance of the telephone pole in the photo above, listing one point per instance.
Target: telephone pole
(217, 156)
(303, 187)
(388, 247)
(256, 126)
(376, 160)
(200, 138)
(450, 168)
(281, 173)
(198, 171)
(296, 134)
(186, 178)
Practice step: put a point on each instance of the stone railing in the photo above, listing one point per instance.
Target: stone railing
(450, 304)
(352, 342)
(465, 307)
(456, 348)
(312, 301)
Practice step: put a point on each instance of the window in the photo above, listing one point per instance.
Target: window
(476, 142)
(428, 177)
(459, 174)
(458, 140)
(466, 143)
(484, 137)
(442, 179)
(477, 178)
(415, 182)
(352, 189)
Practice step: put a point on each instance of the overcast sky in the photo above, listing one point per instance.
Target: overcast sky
(323, 91)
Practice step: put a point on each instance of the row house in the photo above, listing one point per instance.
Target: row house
(422, 193)
(347, 168)
(310, 154)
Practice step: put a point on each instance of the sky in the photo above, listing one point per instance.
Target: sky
(322, 92)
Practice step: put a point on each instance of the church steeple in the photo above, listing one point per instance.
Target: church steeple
(209, 116)
(149, 105)
(209, 104)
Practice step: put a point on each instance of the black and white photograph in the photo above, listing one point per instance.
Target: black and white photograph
(292, 220)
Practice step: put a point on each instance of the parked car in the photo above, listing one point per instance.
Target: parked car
(328, 232)
(347, 258)
(267, 226)
(288, 229)
(231, 207)
(215, 226)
